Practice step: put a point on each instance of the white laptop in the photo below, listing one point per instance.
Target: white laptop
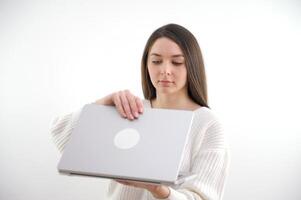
(148, 149)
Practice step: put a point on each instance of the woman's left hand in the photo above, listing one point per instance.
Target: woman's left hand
(158, 191)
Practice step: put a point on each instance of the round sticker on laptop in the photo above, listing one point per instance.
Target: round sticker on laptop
(126, 138)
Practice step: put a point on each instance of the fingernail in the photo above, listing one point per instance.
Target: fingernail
(136, 114)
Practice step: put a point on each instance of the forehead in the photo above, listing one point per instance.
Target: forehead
(165, 47)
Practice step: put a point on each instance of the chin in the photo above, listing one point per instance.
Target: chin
(166, 90)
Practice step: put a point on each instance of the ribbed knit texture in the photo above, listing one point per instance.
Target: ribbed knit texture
(206, 154)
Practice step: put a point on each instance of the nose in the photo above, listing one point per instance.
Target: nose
(166, 69)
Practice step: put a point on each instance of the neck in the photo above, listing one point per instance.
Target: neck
(172, 101)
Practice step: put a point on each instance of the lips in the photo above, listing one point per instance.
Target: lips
(165, 81)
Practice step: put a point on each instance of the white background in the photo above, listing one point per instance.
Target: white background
(56, 56)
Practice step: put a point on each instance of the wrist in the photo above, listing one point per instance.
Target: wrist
(161, 192)
(107, 100)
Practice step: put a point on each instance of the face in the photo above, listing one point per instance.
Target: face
(166, 67)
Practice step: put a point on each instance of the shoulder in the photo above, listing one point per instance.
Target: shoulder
(208, 130)
(205, 116)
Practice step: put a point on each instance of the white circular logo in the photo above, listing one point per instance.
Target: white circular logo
(126, 138)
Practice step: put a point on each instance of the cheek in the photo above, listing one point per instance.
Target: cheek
(182, 75)
(152, 71)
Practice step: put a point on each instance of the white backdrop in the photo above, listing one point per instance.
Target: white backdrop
(56, 56)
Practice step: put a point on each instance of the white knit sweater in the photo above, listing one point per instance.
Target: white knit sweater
(206, 154)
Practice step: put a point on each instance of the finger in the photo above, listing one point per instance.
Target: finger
(140, 184)
(126, 106)
(128, 183)
(123, 182)
(118, 104)
(140, 104)
(135, 184)
(132, 102)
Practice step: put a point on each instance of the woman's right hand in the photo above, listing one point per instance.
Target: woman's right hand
(128, 105)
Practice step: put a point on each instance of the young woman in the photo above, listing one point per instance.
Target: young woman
(173, 77)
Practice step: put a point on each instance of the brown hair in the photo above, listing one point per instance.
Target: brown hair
(196, 77)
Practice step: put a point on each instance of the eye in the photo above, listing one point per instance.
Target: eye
(177, 63)
(156, 62)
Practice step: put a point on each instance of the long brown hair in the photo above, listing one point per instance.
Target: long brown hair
(196, 77)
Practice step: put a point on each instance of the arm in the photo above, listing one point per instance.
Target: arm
(61, 127)
(210, 161)
(126, 104)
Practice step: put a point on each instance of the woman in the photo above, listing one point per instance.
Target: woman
(173, 77)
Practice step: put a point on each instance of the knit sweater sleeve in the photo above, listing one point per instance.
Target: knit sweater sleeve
(61, 127)
(210, 161)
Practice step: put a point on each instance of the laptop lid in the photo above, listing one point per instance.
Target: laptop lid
(148, 149)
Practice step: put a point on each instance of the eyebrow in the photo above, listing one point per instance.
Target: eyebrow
(177, 55)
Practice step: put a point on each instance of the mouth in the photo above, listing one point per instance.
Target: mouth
(165, 83)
